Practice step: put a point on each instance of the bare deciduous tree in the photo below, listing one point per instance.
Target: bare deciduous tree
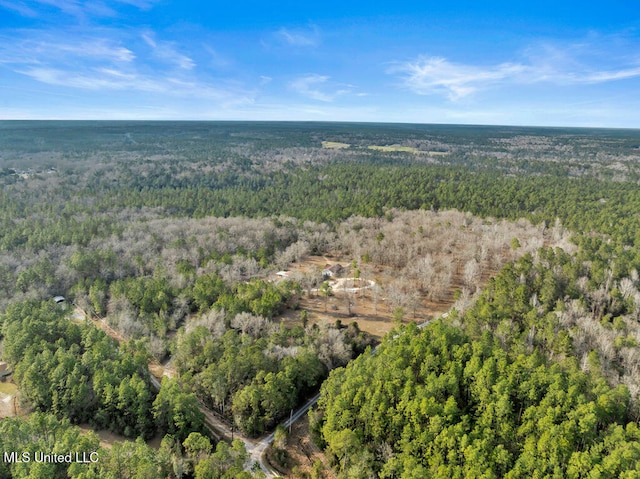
(472, 274)
(332, 349)
(213, 320)
(249, 324)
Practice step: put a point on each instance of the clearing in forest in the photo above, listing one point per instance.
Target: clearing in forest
(416, 265)
(334, 145)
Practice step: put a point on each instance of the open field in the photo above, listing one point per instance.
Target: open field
(334, 145)
(405, 149)
(9, 404)
(373, 314)
(389, 148)
(8, 388)
(108, 438)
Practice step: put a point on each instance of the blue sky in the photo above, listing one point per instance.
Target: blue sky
(556, 63)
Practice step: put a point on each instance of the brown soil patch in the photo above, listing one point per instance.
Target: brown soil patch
(373, 315)
(9, 399)
(8, 405)
(108, 438)
(159, 371)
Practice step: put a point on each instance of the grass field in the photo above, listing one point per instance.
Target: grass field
(389, 148)
(334, 145)
(8, 388)
(405, 149)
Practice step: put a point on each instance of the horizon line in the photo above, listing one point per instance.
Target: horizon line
(328, 122)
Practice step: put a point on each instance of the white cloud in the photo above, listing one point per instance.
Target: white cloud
(81, 10)
(436, 75)
(19, 7)
(141, 4)
(604, 76)
(105, 65)
(99, 79)
(300, 37)
(38, 48)
(149, 40)
(322, 88)
(308, 86)
(70, 7)
(216, 59)
(166, 51)
(105, 79)
(93, 48)
(439, 76)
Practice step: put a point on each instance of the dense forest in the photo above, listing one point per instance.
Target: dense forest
(169, 236)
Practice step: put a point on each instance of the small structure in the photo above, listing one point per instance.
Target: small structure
(60, 301)
(330, 271)
(283, 274)
(5, 370)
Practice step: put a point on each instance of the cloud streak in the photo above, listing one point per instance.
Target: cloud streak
(439, 76)
(91, 48)
(43, 49)
(102, 64)
(300, 37)
(74, 8)
(141, 4)
(166, 52)
(107, 79)
(19, 7)
(436, 75)
(310, 86)
(81, 10)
